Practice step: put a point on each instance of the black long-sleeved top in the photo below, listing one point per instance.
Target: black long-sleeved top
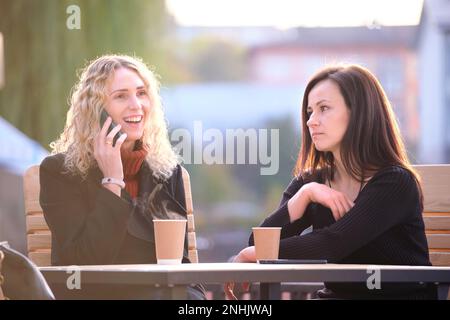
(92, 225)
(385, 226)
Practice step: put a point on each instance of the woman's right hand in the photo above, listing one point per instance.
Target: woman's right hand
(108, 156)
(338, 202)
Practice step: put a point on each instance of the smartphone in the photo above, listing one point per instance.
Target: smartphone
(293, 261)
(103, 116)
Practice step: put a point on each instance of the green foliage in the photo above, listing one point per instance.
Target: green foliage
(42, 55)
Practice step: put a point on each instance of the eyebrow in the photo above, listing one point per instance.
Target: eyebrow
(125, 90)
(318, 102)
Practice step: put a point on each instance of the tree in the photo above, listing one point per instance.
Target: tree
(42, 55)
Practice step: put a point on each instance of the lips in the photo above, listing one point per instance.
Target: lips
(316, 134)
(133, 119)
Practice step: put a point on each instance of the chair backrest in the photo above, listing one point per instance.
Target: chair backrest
(192, 238)
(39, 240)
(436, 215)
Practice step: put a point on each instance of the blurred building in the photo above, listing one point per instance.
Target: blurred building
(245, 36)
(229, 105)
(386, 51)
(2, 63)
(433, 48)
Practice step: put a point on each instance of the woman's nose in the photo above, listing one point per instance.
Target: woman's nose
(312, 121)
(135, 103)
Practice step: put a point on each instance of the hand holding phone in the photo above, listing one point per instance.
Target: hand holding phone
(103, 116)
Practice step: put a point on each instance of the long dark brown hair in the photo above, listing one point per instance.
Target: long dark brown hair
(372, 140)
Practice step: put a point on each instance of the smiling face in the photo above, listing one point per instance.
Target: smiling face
(329, 116)
(128, 104)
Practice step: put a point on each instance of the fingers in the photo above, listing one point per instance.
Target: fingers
(114, 132)
(348, 204)
(109, 140)
(121, 140)
(335, 206)
(335, 211)
(105, 127)
(228, 289)
(99, 140)
(96, 142)
(338, 202)
(340, 205)
(345, 202)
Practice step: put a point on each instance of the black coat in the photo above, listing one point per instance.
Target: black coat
(92, 225)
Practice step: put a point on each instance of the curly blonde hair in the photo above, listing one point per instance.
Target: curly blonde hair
(87, 101)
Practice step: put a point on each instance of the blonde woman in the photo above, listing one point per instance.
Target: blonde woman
(99, 194)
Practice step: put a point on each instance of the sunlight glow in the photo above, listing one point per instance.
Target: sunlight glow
(293, 13)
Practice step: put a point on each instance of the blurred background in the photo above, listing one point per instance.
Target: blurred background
(228, 63)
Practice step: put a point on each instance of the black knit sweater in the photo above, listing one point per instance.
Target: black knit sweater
(384, 227)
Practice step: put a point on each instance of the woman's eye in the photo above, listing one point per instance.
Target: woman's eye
(323, 108)
(120, 96)
(142, 93)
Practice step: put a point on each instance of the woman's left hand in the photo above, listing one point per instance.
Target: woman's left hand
(246, 255)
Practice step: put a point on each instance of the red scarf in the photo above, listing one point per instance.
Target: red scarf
(132, 162)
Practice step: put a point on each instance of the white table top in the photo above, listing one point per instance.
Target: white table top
(238, 272)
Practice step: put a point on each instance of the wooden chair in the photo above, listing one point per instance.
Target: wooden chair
(436, 215)
(192, 238)
(39, 240)
(39, 236)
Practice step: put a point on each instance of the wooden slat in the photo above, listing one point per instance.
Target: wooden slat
(32, 207)
(31, 188)
(436, 222)
(193, 256)
(190, 223)
(440, 258)
(437, 231)
(436, 214)
(38, 241)
(438, 241)
(187, 190)
(439, 250)
(436, 186)
(36, 223)
(40, 258)
(192, 241)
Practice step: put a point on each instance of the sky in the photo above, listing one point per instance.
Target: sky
(293, 13)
